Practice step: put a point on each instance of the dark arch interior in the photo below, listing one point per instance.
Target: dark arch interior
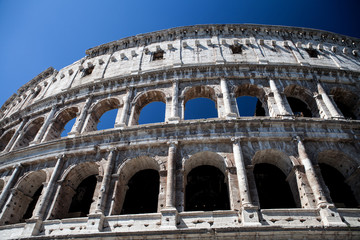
(32, 204)
(340, 192)
(198, 108)
(81, 201)
(206, 190)
(345, 109)
(273, 189)
(142, 194)
(299, 108)
(250, 106)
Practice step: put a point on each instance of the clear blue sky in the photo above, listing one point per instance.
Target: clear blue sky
(37, 34)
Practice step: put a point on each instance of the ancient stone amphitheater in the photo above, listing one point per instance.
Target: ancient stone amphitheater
(289, 172)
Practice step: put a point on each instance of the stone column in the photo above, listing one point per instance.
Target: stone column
(328, 213)
(249, 212)
(101, 201)
(45, 199)
(120, 121)
(175, 102)
(278, 99)
(39, 136)
(13, 179)
(169, 213)
(328, 103)
(80, 121)
(16, 137)
(226, 99)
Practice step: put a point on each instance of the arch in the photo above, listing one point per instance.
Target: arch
(30, 132)
(24, 197)
(301, 101)
(249, 90)
(126, 171)
(199, 92)
(347, 102)
(206, 190)
(210, 168)
(272, 187)
(204, 158)
(272, 170)
(142, 193)
(144, 99)
(274, 157)
(98, 110)
(71, 184)
(199, 95)
(341, 177)
(5, 139)
(340, 192)
(60, 121)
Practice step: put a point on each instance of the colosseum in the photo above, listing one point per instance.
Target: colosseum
(291, 171)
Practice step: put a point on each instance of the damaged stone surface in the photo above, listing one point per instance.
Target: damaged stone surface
(200, 178)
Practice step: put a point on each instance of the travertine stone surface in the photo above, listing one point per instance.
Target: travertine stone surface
(221, 62)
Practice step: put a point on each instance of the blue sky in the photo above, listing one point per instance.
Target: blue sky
(37, 34)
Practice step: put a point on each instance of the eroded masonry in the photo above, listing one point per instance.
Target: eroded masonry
(290, 171)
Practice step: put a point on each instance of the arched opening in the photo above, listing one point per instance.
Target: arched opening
(250, 100)
(102, 115)
(30, 132)
(298, 107)
(68, 127)
(107, 120)
(146, 99)
(142, 193)
(200, 102)
(57, 128)
(250, 106)
(206, 190)
(301, 101)
(24, 198)
(347, 102)
(76, 193)
(29, 211)
(83, 197)
(153, 112)
(5, 139)
(273, 189)
(340, 192)
(200, 108)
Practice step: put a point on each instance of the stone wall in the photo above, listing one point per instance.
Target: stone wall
(45, 178)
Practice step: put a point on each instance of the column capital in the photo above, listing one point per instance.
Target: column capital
(172, 143)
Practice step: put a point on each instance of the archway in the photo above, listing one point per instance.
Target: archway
(24, 198)
(58, 126)
(200, 102)
(272, 187)
(5, 139)
(83, 197)
(347, 102)
(30, 132)
(251, 100)
(143, 100)
(206, 190)
(100, 109)
(142, 193)
(301, 101)
(340, 192)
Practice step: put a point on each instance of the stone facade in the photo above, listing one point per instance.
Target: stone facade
(302, 149)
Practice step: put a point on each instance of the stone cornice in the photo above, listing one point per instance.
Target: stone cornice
(220, 29)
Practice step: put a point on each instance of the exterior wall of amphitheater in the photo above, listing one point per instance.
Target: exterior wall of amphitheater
(219, 62)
